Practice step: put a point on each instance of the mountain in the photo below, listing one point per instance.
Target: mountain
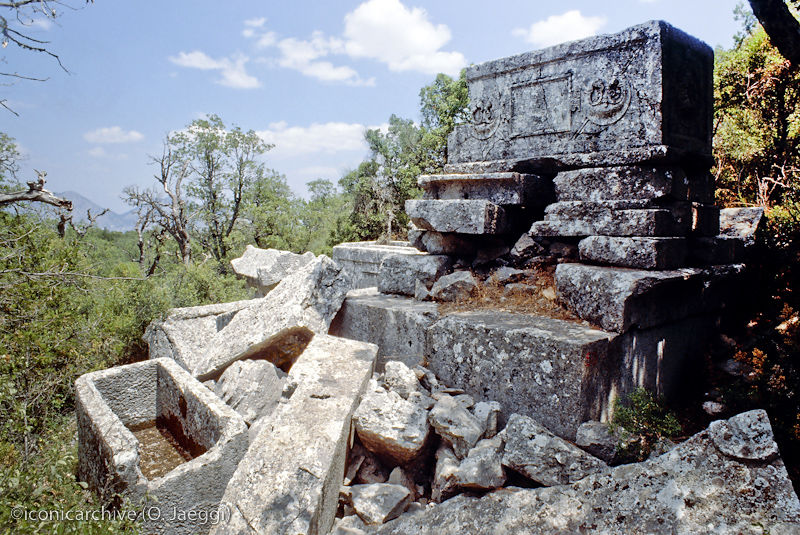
(110, 220)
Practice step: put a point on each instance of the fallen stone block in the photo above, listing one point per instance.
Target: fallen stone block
(399, 378)
(643, 253)
(740, 223)
(488, 414)
(362, 260)
(390, 426)
(461, 216)
(115, 406)
(482, 469)
(443, 485)
(498, 188)
(525, 248)
(550, 369)
(624, 182)
(251, 387)
(454, 287)
(456, 425)
(596, 439)
(398, 274)
(379, 502)
(451, 243)
(278, 326)
(289, 480)
(538, 454)
(263, 269)
(695, 488)
(396, 324)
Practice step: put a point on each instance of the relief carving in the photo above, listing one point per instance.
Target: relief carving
(608, 101)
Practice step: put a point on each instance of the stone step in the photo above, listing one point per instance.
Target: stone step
(643, 253)
(652, 222)
(362, 260)
(462, 216)
(498, 188)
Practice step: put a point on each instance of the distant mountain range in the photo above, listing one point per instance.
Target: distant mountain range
(110, 220)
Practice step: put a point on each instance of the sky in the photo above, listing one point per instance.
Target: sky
(308, 76)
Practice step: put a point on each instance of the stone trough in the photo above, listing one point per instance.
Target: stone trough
(158, 395)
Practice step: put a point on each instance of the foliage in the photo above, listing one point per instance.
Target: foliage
(641, 415)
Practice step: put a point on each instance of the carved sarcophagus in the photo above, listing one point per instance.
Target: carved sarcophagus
(642, 95)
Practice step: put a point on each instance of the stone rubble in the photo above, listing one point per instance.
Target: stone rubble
(263, 269)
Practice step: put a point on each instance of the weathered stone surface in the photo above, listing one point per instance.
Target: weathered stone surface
(740, 223)
(458, 285)
(379, 502)
(451, 243)
(443, 485)
(498, 188)
(538, 454)
(745, 437)
(110, 401)
(391, 426)
(400, 477)
(349, 525)
(398, 274)
(643, 253)
(596, 439)
(694, 488)
(482, 469)
(627, 182)
(488, 414)
(456, 425)
(461, 216)
(362, 260)
(307, 300)
(251, 387)
(399, 378)
(525, 248)
(396, 324)
(288, 482)
(607, 100)
(617, 299)
(263, 269)
(550, 369)
(421, 292)
(183, 335)
(505, 274)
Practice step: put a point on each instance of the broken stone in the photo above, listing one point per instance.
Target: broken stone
(379, 502)
(488, 415)
(451, 243)
(281, 488)
(597, 439)
(644, 253)
(263, 269)
(355, 458)
(453, 287)
(400, 378)
(418, 398)
(538, 454)
(421, 291)
(400, 477)
(455, 425)
(482, 469)
(251, 387)
(465, 400)
(745, 437)
(349, 525)
(427, 378)
(740, 223)
(525, 248)
(371, 470)
(362, 260)
(713, 408)
(398, 274)
(391, 426)
(460, 216)
(504, 275)
(443, 485)
(625, 182)
(498, 188)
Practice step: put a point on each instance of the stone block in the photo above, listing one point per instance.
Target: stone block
(643, 253)
(263, 269)
(451, 243)
(288, 482)
(740, 223)
(622, 182)
(454, 287)
(461, 216)
(612, 218)
(396, 324)
(545, 368)
(498, 188)
(644, 94)
(398, 274)
(251, 387)
(110, 403)
(362, 260)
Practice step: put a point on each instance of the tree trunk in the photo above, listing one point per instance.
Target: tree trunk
(781, 26)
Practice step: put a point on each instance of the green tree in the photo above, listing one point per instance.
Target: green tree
(443, 104)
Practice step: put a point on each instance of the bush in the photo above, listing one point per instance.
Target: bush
(641, 415)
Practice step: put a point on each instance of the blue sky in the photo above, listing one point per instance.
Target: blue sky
(308, 76)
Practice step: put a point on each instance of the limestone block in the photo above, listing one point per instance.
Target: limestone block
(461, 216)
(288, 482)
(398, 274)
(263, 269)
(379, 502)
(396, 324)
(602, 101)
(362, 260)
(453, 287)
(456, 425)
(694, 488)
(482, 469)
(110, 401)
(488, 414)
(399, 378)
(549, 369)
(622, 182)
(643, 253)
(498, 188)
(596, 439)
(451, 243)
(740, 223)
(251, 387)
(443, 485)
(543, 457)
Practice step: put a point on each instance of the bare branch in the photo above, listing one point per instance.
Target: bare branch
(36, 193)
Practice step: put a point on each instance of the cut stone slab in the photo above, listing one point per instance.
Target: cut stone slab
(694, 488)
(451, 243)
(289, 480)
(263, 269)
(398, 274)
(456, 425)
(617, 299)
(379, 502)
(643, 253)
(549, 369)
(399, 378)
(184, 334)
(626, 182)
(252, 388)
(538, 454)
(461, 216)
(390, 426)
(109, 402)
(740, 223)
(396, 324)
(453, 287)
(498, 188)
(362, 260)
(302, 304)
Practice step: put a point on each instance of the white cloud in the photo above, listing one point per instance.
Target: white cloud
(402, 38)
(255, 23)
(318, 138)
(112, 134)
(231, 69)
(302, 56)
(559, 28)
